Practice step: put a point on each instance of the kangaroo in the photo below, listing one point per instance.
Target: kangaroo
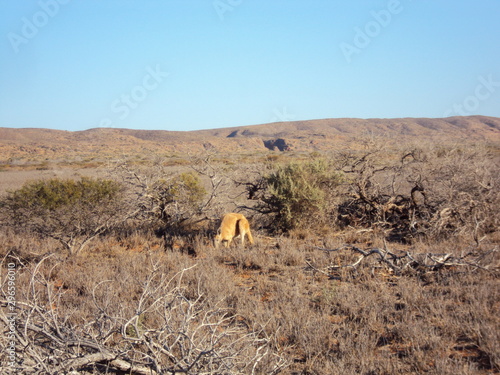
(232, 225)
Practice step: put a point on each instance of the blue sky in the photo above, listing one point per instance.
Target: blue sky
(196, 64)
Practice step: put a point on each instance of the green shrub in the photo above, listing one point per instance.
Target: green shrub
(55, 193)
(71, 211)
(299, 194)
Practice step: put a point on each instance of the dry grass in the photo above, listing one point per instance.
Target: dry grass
(137, 295)
(365, 321)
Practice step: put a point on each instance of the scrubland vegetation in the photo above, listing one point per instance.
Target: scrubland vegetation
(375, 261)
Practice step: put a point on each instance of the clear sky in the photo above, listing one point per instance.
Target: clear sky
(195, 64)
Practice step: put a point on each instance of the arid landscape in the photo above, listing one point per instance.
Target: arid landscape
(376, 249)
(24, 146)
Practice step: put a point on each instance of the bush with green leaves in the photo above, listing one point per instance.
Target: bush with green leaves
(70, 211)
(300, 194)
(176, 199)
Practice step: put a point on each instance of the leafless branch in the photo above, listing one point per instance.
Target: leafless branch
(405, 260)
(184, 333)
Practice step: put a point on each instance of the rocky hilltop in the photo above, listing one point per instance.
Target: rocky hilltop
(38, 144)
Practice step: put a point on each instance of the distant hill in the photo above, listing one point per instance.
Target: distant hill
(37, 144)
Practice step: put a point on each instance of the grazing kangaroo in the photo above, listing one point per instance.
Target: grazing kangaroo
(233, 225)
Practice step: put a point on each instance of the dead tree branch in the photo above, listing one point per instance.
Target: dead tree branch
(171, 329)
(404, 261)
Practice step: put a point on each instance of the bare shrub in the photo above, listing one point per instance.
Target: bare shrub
(433, 193)
(161, 197)
(176, 200)
(462, 187)
(170, 328)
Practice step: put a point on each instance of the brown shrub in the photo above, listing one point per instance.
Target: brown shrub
(435, 193)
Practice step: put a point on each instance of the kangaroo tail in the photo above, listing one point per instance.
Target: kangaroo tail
(250, 238)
